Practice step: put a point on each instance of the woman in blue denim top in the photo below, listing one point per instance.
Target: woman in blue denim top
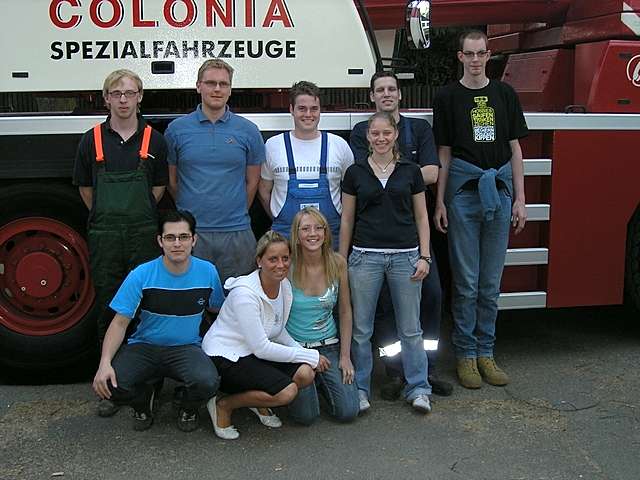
(319, 280)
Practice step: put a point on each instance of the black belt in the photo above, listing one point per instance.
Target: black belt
(473, 184)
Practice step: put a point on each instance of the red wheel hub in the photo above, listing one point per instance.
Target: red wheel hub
(45, 287)
(38, 275)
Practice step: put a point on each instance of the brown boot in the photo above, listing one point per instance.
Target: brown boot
(468, 374)
(491, 372)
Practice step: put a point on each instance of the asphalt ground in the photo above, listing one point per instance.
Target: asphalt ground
(572, 411)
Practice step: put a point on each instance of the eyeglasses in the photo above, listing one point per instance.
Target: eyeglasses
(117, 94)
(170, 237)
(213, 84)
(480, 54)
(312, 228)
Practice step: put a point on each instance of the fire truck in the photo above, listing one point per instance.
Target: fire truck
(575, 65)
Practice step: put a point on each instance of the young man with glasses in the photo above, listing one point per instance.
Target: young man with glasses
(304, 167)
(121, 172)
(167, 298)
(417, 145)
(214, 169)
(478, 123)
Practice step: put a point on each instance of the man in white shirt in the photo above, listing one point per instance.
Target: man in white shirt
(304, 167)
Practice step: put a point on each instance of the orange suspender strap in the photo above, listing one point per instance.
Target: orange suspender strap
(97, 139)
(146, 139)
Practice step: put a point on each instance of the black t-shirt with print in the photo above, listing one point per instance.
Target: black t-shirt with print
(478, 123)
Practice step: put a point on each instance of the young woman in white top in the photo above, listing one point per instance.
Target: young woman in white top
(260, 365)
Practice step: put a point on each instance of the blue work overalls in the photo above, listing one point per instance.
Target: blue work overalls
(307, 193)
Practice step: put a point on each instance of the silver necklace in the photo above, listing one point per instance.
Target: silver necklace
(382, 169)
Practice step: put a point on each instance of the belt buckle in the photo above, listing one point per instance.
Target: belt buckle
(321, 343)
(329, 341)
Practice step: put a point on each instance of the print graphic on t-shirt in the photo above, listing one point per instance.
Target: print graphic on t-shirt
(483, 119)
(308, 168)
(327, 301)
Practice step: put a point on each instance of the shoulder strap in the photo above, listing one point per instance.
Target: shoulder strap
(146, 139)
(97, 140)
(408, 131)
(323, 153)
(289, 151)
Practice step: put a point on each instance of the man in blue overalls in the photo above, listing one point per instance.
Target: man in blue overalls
(417, 145)
(304, 167)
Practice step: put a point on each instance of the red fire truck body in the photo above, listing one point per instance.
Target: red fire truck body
(580, 247)
(566, 56)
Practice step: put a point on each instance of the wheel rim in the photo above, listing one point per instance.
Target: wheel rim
(45, 286)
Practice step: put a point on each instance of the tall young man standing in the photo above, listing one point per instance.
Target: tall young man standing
(417, 145)
(121, 172)
(214, 169)
(478, 123)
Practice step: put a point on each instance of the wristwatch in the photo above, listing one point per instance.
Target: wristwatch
(426, 259)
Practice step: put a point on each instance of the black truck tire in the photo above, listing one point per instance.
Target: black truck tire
(42, 231)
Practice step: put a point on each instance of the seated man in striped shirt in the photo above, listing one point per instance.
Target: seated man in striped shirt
(166, 298)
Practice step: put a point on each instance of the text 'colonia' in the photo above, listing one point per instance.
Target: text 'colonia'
(106, 14)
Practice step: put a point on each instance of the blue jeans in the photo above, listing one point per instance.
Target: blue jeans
(341, 398)
(477, 250)
(367, 270)
(430, 316)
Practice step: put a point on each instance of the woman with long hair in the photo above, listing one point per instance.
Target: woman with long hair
(320, 281)
(384, 219)
(260, 365)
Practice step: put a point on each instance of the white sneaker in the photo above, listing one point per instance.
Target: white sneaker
(226, 433)
(421, 403)
(364, 401)
(270, 420)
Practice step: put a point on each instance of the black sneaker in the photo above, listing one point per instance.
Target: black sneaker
(440, 387)
(106, 408)
(392, 389)
(143, 419)
(188, 420)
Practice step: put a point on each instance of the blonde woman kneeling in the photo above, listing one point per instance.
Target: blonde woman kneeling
(319, 278)
(260, 365)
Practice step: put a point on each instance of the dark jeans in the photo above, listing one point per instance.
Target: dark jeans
(135, 365)
(430, 316)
